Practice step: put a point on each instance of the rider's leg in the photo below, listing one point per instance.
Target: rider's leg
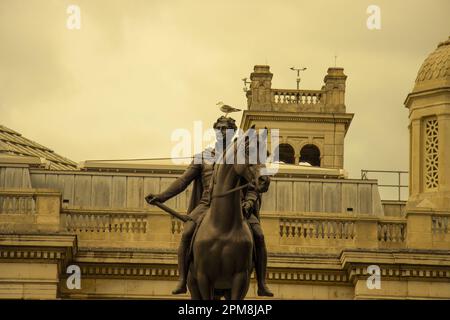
(193, 288)
(261, 260)
(183, 250)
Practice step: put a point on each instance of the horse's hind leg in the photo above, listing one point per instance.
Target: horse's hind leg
(193, 288)
(239, 288)
(205, 287)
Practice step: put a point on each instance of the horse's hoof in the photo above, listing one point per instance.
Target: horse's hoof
(265, 292)
(179, 290)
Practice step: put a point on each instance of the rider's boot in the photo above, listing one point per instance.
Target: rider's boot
(182, 267)
(260, 268)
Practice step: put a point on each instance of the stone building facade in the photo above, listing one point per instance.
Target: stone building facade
(324, 232)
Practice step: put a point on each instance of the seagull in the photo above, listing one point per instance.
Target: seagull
(226, 108)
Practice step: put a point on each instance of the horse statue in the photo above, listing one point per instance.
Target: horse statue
(222, 247)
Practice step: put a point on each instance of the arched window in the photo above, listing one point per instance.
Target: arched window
(286, 153)
(311, 154)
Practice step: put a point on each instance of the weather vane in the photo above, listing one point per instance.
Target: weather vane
(298, 75)
(246, 82)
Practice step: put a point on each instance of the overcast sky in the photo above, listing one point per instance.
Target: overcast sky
(137, 70)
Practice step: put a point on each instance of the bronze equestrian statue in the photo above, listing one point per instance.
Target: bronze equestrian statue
(201, 173)
(223, 245)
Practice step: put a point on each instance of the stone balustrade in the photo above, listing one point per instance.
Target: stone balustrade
(20, 203)
(302, 97)
(332, 233)
(177, 226)
(148, 227)
(29, 209)
(293, 232)
(440, 224)
(392, 231)
(104, 222)
(318, 228)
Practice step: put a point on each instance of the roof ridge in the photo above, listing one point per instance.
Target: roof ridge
(13, 142)
(20, 136)
(4, 128)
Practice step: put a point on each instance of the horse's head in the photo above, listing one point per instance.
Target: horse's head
(250, 153)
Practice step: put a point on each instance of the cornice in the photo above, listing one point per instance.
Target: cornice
(309, 117)
(53, 240)
(425, 93)
(342, 269)
(120, 263)
(55, 248)
(317, 117)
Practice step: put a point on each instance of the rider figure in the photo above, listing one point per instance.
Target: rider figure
(200, 173)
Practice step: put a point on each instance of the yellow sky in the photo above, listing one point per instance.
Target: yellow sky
(137, 70)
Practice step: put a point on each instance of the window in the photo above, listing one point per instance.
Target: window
(431, 146)
(286, 153)
(311, 154)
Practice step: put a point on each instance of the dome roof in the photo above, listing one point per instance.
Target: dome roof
(435, 70)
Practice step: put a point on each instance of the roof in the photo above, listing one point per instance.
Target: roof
(168, 167)
(12, 142)
(435, 70)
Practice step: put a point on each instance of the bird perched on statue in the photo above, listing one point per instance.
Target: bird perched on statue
(226, 108)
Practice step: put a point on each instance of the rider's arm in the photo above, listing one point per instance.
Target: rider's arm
(252, 200)
(179, 185)
(251, 195)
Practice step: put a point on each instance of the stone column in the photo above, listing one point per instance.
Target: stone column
(415, 162)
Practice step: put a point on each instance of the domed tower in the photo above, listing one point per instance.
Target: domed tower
(429, 127)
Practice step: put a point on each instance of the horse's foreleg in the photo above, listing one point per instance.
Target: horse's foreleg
(239, 288)
(205, 287)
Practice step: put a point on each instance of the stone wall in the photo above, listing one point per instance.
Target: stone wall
(318, 249)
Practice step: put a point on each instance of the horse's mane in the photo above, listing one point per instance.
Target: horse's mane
(248, 140)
